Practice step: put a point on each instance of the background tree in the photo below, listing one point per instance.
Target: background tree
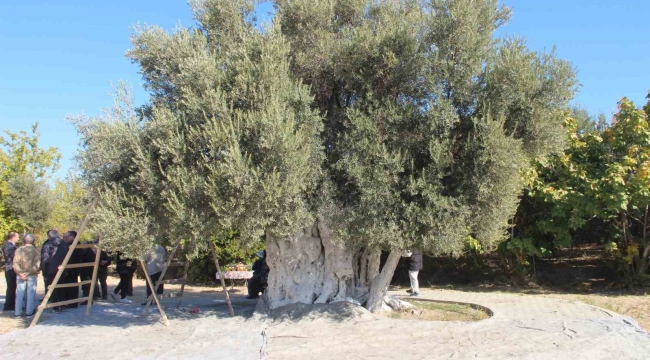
(24, 167)
(229, 252)
(601, 176)
(584, 122)
(69, 203)
(29, 201)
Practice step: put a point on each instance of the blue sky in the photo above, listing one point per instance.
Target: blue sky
(59, 58)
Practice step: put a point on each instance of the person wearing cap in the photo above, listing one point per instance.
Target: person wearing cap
(257, 284)
(27, 263)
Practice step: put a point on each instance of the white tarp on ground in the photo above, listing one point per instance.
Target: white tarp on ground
(613, 338)
(117, 331)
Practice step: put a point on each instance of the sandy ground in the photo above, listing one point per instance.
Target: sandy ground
(523, 327)
(120, 331)
(636, 306)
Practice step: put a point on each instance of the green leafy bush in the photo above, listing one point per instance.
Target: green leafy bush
(516, 253)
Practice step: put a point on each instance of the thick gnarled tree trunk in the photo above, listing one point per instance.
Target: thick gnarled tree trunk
(307, 268)
(310, 268)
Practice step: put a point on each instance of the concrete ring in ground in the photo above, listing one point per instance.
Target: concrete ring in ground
(486, 310)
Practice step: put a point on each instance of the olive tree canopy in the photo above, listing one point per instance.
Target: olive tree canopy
(344, 128)
(229, 139)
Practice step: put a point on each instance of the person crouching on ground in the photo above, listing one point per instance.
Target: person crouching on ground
(27, 263)
(155, 260)
(9, 250)
(125, 269)
(257, 284)
(414, 267)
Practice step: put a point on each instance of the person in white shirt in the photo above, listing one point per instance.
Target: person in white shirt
(155, 260)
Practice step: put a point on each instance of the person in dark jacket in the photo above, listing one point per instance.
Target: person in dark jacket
(71, 276)
(102, 272)
(45, 249)
(414, 267)
(8, 251)
(53, 253)
(86, 273)
(125, 269)
(258, 283)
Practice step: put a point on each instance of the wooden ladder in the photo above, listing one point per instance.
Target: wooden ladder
(161, 279)
(64, 266)
(182, 281)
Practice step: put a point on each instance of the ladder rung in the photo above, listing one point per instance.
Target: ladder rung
(174, 281)
(67, 302)
(69, 285)
(86, 246)
(175, 264)
(80, 265)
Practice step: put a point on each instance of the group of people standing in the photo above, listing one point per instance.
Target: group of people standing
(22, 265)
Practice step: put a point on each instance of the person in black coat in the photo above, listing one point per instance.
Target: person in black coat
(414, 267)
(87, 273)
(8, 251)
(71, 276)
(125, 269)
(258, 283)
(102, 272)
(53, 253)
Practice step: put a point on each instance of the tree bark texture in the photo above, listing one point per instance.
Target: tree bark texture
(379, 286)
(310, 268)
(307, 268)
(366, 268)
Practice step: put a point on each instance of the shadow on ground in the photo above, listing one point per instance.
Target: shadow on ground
(197, 303)
(115, 314)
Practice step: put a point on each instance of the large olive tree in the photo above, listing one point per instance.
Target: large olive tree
(345, 128)
(428, 120)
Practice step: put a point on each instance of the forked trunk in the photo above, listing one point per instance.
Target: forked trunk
(380, 285)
